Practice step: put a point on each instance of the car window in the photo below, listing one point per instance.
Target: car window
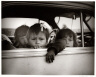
(74, 24)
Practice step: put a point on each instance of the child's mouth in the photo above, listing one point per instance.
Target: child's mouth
(36, 47)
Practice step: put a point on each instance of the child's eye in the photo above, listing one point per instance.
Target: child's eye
(33, 39)
(64, 38)
(70, 39)
(51, 36)
(41, 38)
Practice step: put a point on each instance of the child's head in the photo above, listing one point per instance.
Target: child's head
(20, 34)
(52, 36)
(69, 36)
(37, 36)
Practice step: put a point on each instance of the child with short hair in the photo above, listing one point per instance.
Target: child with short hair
(20, 36)
(37, 36)
(64, 38)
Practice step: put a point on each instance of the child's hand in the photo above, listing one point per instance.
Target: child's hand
(50, 56)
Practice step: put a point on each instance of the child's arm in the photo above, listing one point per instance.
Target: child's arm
(54, 49)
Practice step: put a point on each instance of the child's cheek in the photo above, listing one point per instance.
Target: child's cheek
(26, 41)
(71, 44)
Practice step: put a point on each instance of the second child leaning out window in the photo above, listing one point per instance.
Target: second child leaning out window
(64, 38)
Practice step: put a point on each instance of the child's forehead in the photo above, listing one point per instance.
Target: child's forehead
(22, 37)
(68, 35)
(38, 34)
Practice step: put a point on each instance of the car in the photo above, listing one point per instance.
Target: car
(53, 13)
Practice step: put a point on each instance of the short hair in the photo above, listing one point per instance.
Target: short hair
(67, 32)
(21, 31)
(36, 28)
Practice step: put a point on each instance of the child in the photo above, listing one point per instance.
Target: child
(64, 38)
(52, 36)
(37, 36)
(20, 36)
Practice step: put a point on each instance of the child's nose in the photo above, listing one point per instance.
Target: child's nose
(37, 41)
(67, 41)
(25, 40)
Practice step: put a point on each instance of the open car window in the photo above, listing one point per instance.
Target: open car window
(9, 26)
(54, 14)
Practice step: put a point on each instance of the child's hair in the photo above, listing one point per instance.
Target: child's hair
(21, 31)
(36, 28)
(67, 32)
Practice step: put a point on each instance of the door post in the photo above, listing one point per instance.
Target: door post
(82, 29)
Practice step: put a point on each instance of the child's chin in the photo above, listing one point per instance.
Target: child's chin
(38, 47)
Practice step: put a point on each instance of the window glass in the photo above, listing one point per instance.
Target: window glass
(74, 24)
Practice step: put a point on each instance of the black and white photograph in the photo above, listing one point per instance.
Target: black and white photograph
(48, 38)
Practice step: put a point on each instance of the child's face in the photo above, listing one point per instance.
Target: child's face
(37, 41)
(23, 40)
(69, 41)
(52, 35)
